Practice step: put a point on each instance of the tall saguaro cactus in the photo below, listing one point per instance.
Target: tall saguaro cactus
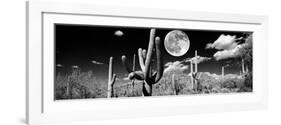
(146, 74)
(191, 72)
(194, 61)
(196, 70)
(111, 79)
(133, 81)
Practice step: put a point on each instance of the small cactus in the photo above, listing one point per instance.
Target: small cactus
(111, 79)
(68, 88)
(222, 71)
(175, 86)
(145, 60)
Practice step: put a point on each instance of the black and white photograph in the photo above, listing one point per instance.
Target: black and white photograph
(94, 61)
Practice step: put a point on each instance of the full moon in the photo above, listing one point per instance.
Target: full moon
(176, 43)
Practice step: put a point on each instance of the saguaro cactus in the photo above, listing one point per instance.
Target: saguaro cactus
(133, 81)
(194, 61)
(191, 72)
(243, 65)
(196, 70)
(111, 79)
(146, 74)
(222, 71)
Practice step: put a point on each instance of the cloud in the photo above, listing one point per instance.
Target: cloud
(75, 67)
(126, 78)
(228, 46)
(224, 42)
(96, 62)
(233, 53)
(199, 59)
(216, 76)
(227, 65)
(118, 33)
(59, 65)
(117, 78)
(173, 66)
(225, 54)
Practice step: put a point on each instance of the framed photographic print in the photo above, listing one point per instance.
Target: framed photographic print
(90, 62)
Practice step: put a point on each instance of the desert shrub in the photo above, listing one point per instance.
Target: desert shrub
(60, 86)
(249, 80)
(80, 85)
(181, 85)
(229, 84)
(247, 83)
(126, 89)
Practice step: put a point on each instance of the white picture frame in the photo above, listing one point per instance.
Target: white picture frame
(41, 108)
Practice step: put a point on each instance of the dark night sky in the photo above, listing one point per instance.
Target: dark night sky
(81, 44)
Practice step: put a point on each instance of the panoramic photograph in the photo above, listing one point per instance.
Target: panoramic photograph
(93, 61)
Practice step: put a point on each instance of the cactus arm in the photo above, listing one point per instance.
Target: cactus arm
(160, 67)
(144, 54)
(198, 77)
(126, 65)
(149, 54)
(194, 75)
(132, 75)
(147, 89)
(141, 59)
(113, 79)
(145, 92)
(136, 75)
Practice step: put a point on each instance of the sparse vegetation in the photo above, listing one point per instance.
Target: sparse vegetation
(79, 85)
(85, 85)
